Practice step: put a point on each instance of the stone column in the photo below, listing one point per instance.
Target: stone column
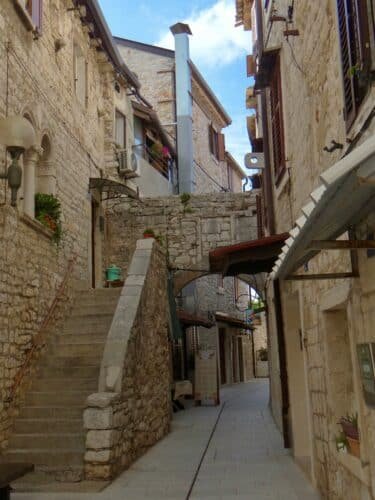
(30, 162)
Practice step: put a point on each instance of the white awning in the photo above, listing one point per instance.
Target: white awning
(345, 197)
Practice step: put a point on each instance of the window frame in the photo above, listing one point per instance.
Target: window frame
(119, 114)
(354, 51)
(277, 123)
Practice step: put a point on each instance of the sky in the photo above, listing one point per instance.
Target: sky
(217, 48)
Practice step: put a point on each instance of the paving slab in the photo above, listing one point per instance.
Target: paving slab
(232, 451)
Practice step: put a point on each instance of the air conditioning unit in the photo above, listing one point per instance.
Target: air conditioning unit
(127, 167)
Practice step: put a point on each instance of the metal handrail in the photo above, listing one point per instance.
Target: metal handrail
(37, 340)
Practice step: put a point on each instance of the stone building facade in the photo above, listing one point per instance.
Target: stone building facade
(61, 71)
(214, 169)
(314, 101)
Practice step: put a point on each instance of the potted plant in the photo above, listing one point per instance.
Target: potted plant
(148, 233)
(48, 213)
(349, 425)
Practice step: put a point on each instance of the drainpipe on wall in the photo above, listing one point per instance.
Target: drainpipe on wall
(272, 230)
(181, 34)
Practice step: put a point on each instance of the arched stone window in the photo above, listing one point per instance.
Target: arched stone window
(45, 173)
(30, 159)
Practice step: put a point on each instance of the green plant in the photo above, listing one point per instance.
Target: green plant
(341, 442)
(157, 150)
(149, 232)
(263, 354)
(185, 198)
(48, 213)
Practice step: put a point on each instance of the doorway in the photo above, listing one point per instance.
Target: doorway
(223, 374)
(97, 222)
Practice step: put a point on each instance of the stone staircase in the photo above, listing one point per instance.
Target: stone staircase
(49, 429)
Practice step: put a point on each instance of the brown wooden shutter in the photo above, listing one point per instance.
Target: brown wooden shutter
(260, 226)
(355, 53)
(277, 122)
(210, 139)
(250, 65)
(221, 147)
(36, 14)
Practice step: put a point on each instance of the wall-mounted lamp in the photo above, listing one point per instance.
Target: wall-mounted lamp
(17, 134)
(254, 161)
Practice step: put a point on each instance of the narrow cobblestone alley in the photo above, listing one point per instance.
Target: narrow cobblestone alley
(244, 458)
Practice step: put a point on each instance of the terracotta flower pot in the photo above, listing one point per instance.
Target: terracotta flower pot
(147, 235)
(354, 446)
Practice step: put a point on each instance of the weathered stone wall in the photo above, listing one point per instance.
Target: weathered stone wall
(37, 80)
(312, 94)
(188, 230)
(133, 409)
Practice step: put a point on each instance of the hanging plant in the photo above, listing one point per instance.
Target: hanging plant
(48, 213)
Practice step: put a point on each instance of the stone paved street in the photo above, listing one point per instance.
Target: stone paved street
(244, 459)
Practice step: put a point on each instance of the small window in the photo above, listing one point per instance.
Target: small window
(277, 123)
(80, 75)
(216, 143)
(354, 41)
(120, 130)
(31, 14)
(366, 365)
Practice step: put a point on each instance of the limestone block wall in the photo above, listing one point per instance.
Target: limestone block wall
(132, 411)
(37, 81)
(312, 98)
(188, 230)
(30, 279)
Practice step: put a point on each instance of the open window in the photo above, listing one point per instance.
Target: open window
(354, 39)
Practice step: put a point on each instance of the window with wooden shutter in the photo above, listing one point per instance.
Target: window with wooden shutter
(221, 147)
(355, 54)
(277, 122)
(215, 143)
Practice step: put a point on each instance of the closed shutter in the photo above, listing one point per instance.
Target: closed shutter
(250, 65)
(355, 53)
(210, 139)
(36, 14)
(277, 122)
(260, 226)
(221, 147)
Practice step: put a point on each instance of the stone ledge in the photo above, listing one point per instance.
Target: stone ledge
(355, 467)
(37, 226)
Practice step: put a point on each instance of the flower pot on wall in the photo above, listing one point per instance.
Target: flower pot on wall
(354, 446)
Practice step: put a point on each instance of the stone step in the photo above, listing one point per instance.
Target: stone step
(67, 371)
(101, 292)
(74, 361)
(80, 338)
(57, 399)
(60, 384)
(48, 458)
(105, 300)
(87, 324)
(53, 412)
(92, 310)
(90, 349)
(48, 425)
(44, 441)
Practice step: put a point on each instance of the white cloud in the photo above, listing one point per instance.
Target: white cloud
(215, 40)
